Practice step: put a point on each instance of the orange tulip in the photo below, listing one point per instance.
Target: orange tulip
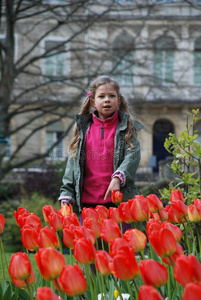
(102, 262)
(124, 265)
(47, 210)
(149, 292)
(2, 223)
(139, 208)
(193, 214)
(65, 210)
(110, 231)
(29, 237)
(47, 238)
(50, 262)
(163, 242)
(192, 291)
(22, 284)
(155, 204)
(153, 273)
(44, 293)
(20, 267)
(93, 225)
(187, 269)
(136, 239)
(117, 196)
(73, 281)
(84, 251)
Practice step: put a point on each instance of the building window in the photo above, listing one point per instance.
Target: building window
(197, 62)
(53, 134)
(2, 39)
(8, 147)
(164, 51)
(54, 63)
(123, 59)
(197, 128)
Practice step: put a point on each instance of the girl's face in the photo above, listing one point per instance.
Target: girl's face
(106, 101)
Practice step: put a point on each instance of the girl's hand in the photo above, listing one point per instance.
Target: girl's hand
(114, 185)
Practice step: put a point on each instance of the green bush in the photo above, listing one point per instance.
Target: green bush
(34, 204)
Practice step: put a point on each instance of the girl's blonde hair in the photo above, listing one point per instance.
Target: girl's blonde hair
(86, 109)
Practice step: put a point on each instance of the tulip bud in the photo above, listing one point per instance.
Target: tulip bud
(20, 266)
(44, 293)
(2, 223)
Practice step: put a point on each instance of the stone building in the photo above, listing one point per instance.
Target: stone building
(152, 48)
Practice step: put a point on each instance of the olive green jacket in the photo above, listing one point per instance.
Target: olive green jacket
(125, 160)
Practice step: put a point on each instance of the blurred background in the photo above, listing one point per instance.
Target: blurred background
(49, 52)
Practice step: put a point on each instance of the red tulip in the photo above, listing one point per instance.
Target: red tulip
(176, 195)
(192, 291)
(180, 209)
(83, 231)
(136, 238)
(148, 292)
(197, 203)
(50, 262)
(73, 280)
(102, 262)
(193, 214)
(71, 219)
(174, 229)
(163, 242)
(69, 236)
(44, 293)
(47, 210)
(84, 251)
(20, 267)
(20, 212)
(124, 213)
(29, 237)
(139, 208)
(153, 273)
(90, 213)
(179, 251)
(153, 225)
(93, 225)
(110, 231)
(155, 204)
(117, 196)
(56, 221)
(124, 264)
(33, 219)
(116, 245)
(47, 238)
(65, 210)
(172, 218)
(22, 284)
(161, 215)
(114, 215)
(187, 269)
(102, 213)
(2, 223)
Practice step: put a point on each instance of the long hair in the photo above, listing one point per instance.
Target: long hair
(87, 107)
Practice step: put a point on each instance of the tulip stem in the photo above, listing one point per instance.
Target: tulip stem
(116, 284)
(94, 280)
(129, 290)
(179, 291)
(187, 238)
(29, 290)
(102, 243)
(121, 228)
(60, 242)
(160, 216)
(3, 254)
(198, 236)
(60, 291)
(168, 284)
(71, 262)
(88, 279)
(192, 237)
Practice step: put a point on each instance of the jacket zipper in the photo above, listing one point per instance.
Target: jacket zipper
(102, 132)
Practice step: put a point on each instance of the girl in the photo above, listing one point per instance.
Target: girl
(105, 152)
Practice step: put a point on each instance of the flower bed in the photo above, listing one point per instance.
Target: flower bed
(158, 257)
